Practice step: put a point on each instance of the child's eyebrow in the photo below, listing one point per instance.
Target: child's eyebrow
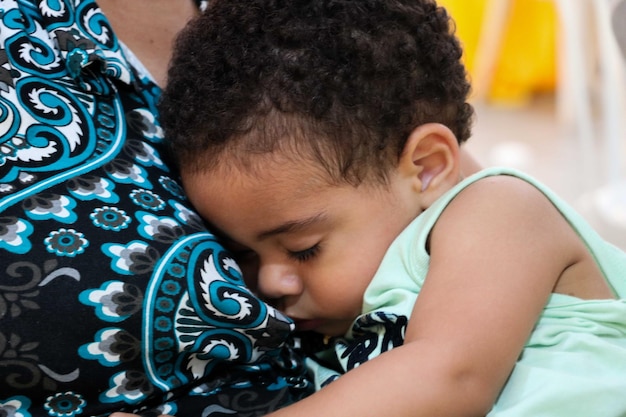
(293, 226)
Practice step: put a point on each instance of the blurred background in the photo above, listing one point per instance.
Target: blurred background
(549, 89)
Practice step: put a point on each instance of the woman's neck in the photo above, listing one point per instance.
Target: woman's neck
(148, 28)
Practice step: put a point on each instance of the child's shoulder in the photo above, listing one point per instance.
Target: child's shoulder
(501, 208)
(507, 193)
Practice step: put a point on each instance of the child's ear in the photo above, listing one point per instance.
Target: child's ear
(431, 157)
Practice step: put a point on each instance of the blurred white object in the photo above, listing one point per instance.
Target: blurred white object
(574, 79)
(611, 21)
(610, 200)
(591, 30)
(613, 79)
(511, 154)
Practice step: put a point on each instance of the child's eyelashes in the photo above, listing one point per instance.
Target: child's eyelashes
(243, 254)
(306, 254)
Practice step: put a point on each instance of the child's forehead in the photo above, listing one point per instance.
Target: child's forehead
(272, 168)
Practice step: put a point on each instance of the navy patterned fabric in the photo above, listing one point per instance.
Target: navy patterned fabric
(113, 295)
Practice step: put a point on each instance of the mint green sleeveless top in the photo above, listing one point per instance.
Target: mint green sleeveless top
(574, 363)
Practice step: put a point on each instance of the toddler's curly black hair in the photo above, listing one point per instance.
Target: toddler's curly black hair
(343, 81)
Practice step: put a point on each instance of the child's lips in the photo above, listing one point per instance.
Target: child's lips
(304, 325)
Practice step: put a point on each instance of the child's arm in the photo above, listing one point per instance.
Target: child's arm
(496, 254)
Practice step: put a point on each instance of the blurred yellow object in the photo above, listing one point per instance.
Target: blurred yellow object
(523, 33)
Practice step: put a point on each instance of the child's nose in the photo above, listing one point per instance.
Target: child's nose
(277, 281)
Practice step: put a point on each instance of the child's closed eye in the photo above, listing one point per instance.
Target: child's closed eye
(306, 254)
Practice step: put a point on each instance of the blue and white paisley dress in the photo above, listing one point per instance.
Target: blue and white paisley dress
(113, 295)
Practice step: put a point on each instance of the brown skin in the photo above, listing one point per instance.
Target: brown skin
(148, 28)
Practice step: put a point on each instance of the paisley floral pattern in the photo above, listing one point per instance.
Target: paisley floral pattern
(371, 334)
(113, 295)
